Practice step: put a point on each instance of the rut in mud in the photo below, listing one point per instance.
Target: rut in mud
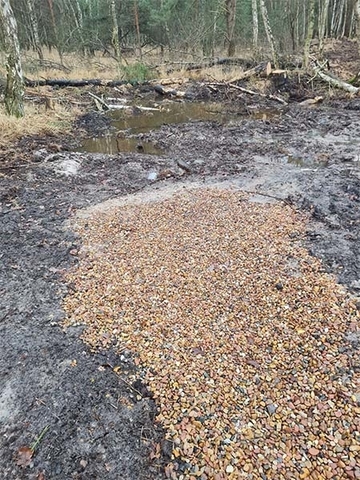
(309, 158)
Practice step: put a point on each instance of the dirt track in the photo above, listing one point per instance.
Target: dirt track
(309, 158)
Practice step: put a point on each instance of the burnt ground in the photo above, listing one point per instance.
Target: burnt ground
(101, 425)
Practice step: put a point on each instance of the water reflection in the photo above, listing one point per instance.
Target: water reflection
(112, 144)
(134, 121)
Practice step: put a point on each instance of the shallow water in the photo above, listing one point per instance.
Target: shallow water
(133, 121)
(112, 144)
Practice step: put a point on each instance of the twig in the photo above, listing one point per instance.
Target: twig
(100, 100)
(129, 107)
(34, 445)
(123, 380)
(251, 92)
(263, 194)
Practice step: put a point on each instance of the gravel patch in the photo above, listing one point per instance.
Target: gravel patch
(244, 340)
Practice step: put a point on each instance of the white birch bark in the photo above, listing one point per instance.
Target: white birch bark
(14, 92)
(34, 28)
(309, 32)
(357, 19)
(255, 25)
(269, 34)
(115, 31)
(324, 13)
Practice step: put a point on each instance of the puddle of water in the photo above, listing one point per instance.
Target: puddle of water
(135, 121)
(112, 144)
(170, 113)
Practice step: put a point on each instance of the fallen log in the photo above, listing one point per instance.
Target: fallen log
(170, 92)
(311, 101)
(332, 80)
(62, 83)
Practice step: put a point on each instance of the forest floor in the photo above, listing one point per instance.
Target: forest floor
(90, 406)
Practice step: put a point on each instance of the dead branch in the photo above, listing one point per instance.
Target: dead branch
(129, 107)
(99, 102)
(331, 79)
(251, 92)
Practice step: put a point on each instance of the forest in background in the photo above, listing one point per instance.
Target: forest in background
(179, 27)
(133, 33)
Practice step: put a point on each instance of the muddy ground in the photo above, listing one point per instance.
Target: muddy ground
(308, 157)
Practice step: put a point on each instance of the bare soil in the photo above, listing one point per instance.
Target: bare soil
(308, 157)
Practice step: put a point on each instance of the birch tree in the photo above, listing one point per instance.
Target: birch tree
(357, 17)
(255, 23)
(324, 12)
(309, 32)
(14, 92)
(55, 30)
(34, 28)
(269, 34)
(115, 31)
(137, 26)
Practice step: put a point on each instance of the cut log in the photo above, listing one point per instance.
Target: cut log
(332, 80)
(311, 101)
(170, 92)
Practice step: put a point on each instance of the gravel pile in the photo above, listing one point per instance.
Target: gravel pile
(249, 348)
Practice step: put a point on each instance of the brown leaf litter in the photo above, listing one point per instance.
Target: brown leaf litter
(242, 334)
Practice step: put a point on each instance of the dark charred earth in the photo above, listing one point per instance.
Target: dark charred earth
(49, 381)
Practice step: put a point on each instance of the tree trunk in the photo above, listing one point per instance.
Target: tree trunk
(333, 17)
(357, 17)
(214, 29)
(14, 92)
(137, 26)
(80, 14)
(78, 20)
(34, 28)
(230, 9)
(344, 15)
(53, 21)
(309, 32)
(255, 20)
(115, 31)
(339, 13)
(270, 37)
(322, 24)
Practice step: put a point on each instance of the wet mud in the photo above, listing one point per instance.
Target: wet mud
(98, 426)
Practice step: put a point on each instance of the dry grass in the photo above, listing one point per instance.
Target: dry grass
(106, 68)
(36, 121)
